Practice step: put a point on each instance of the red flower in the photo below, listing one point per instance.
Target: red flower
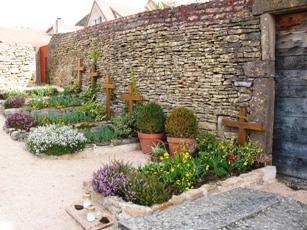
(232, 158)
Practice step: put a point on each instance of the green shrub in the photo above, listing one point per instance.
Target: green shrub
(144, 189)
(150, 118)
(102, 134)
(15, 93)
(182, 123)
(92, 109)
(125, 126)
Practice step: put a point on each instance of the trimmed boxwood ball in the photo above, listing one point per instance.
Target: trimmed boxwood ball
(182, 123)
(150, 119)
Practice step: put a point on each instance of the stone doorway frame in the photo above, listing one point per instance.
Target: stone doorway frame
(268, 10)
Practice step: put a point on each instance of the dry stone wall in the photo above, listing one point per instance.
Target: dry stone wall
(17, 65)
(202, 56)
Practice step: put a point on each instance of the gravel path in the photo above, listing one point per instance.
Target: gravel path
(34, 192)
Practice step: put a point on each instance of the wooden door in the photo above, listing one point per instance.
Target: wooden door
(290, 128)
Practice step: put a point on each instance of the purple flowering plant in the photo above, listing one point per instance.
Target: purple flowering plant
(14, 102)
(109, 179)
(20, 121)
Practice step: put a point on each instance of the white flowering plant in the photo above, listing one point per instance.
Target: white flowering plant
(55, 140)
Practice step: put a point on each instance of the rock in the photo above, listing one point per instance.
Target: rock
(269, 173)
(175, 200)
(19, 135)
(246, 84)
(8, 112)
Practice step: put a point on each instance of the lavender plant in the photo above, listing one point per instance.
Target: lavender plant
(20, 121)
(110, 178)
(14, 102)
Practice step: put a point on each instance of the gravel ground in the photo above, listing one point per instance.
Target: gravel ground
(34, 192)
(282, 189)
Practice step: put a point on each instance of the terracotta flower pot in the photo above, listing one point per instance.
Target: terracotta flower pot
(180, 144)
(147, 141)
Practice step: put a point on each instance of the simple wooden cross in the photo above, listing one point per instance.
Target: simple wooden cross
(131, 98)
(108, 87)
(93, 75)
(79, 69)
(243, 125)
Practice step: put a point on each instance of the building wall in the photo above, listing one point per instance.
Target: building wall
(206, 57)
(17, 65)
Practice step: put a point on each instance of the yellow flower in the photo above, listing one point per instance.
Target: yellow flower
(207, 167)
(245, 163)
(161, 158)
(172, 169)
(166, 155)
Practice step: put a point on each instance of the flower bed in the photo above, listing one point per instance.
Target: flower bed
(55, 140)
(19, 121)
(58, 102)
(156, 182)
(122, 209)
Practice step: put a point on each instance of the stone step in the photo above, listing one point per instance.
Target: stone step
(218, 211)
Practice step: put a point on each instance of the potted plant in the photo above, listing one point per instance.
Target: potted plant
(182, 128)
(150, 121)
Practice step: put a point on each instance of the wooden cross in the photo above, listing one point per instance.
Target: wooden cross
(79, 69)
(243, 125)
(108, 87)
(131, 98)
(93, 75)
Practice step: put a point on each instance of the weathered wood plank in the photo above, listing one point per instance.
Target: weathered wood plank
(290, 128)
(290, 165)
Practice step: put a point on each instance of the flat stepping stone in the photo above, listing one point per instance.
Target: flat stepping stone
(238, 208)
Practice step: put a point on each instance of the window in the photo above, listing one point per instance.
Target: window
(98, 20)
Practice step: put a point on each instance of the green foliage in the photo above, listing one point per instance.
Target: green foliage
(150, 118)
(158, 150)
(224, 157)
(102, 134)
(92, 109)
(15, 93)
(61, 119)
(125, 126)
(58, 102)
(45, 91)
(182, 123)
(72, 89)
(179, 172)
(206, 141)
(134, 80)
(144, 189)
(90, 94)
(93, 55)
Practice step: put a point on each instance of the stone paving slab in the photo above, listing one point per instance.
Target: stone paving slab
(223, 211)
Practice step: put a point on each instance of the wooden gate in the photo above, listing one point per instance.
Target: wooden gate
(290, 128)
(43, 52)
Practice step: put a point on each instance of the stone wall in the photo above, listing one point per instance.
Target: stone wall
(206, 57)
(17, 65)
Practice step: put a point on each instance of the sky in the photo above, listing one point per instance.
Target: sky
(41, 14)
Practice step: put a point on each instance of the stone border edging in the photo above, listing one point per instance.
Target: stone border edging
(121, 209)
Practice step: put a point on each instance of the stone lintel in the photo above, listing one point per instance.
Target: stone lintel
(278, 6)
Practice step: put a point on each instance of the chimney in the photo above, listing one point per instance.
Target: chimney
(58, 25)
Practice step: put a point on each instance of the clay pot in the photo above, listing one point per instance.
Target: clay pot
(180, 144)
(148, 141)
